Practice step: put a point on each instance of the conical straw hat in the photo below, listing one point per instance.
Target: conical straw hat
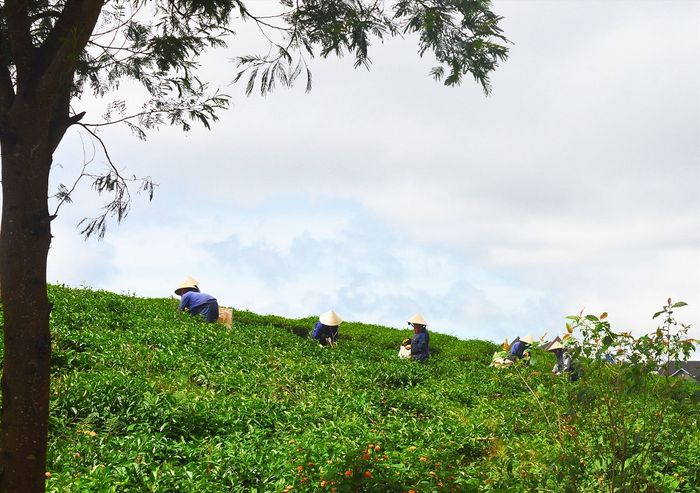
(527, 339)
(189, 282)
(417, 319)
(330, 318)
(555, 345)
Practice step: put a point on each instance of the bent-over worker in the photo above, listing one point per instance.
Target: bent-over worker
(196, 302)
(518, 348)
(326, 329)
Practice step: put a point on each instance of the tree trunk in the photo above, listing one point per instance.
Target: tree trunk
(24, 243)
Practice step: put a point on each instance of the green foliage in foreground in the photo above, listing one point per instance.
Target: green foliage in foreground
(144, 399)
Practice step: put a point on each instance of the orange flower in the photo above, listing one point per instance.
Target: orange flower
(348, 473)
(300, 469)
(368, 474)
(423, 459)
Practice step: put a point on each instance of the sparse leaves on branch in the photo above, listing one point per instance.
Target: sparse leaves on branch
(463, 36)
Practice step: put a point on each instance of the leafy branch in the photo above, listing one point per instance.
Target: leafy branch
(464, 37)
(115, 183)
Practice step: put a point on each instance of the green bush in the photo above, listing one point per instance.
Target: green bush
(146, 399)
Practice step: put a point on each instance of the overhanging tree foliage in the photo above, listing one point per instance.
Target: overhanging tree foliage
(53, 53)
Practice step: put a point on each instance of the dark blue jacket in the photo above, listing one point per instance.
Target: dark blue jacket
(518, 349)
(321, 332)
(420, 346)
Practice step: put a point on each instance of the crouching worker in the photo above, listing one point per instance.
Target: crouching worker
(420, 350)
(196, 302)
(564, 362)
(520, 349)
(326, 329)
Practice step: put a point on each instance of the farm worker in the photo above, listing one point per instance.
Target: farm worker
(421, 340)
(564, 362)
(326, 329)
(196, 302)
(563, 359)
(518, 348)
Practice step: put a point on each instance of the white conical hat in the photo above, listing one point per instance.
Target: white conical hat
(417, 319)
(555, 345)
(189, 282)
(330, 318)
(527, 339)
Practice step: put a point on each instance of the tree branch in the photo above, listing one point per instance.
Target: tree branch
(113, 182)
(64, 193)
(60, 119)
(20, 39)
(65, 43)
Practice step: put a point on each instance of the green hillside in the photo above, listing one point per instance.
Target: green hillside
(145, 399)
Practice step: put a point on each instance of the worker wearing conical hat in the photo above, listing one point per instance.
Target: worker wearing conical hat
(519, 347)
(326, 329)
(188, 283)
(420, 343)
(195, 302)
(564, 362)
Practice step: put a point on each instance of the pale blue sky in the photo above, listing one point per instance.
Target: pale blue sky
(382, 193)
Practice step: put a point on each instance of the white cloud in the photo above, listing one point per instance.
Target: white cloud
(574, 184)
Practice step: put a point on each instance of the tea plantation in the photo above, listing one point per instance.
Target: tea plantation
(146, 399)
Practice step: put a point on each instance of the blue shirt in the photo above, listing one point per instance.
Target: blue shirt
(323, 331)
(194, 301)
(518, 349)
(419, 346)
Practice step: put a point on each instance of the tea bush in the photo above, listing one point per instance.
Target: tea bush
(146, 399)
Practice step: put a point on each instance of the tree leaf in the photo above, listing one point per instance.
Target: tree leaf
(678, 304)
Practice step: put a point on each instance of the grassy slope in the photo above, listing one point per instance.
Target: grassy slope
(146, 400)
